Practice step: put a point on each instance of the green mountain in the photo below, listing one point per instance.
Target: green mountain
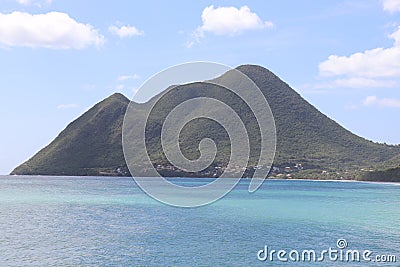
(306, 135)
(309, 144)
(90, 145)
(388, 171)
(388, 175)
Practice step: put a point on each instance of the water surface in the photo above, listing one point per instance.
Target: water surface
(92, 221)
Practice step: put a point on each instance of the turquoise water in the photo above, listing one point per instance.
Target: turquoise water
(92, 221)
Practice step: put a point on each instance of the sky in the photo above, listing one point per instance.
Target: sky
(58, 58)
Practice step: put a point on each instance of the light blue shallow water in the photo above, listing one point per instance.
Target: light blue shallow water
(92, 221)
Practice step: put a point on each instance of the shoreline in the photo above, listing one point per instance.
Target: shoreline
(333, 180)
(271, 179)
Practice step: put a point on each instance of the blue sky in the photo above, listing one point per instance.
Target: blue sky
(58, 58)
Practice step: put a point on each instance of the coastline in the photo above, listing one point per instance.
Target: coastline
(271, 179)
(333, 180)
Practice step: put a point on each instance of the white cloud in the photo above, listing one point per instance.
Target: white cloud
(190, 43)
(53, 30)
(227, 21)
(230, 20)
(67, 106)
(391, 5)
(374, 63)
(125, 31)
(384, 102)
(396, 37)
(377, 67)
(128, 77)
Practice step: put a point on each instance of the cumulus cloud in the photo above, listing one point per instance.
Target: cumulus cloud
(372, 68)
(378, 62)
(125, 31)
(384, 102)
(391, 5)
(374, 63)
(228, 21)
(53, 30)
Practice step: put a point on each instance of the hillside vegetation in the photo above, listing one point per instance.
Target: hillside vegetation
(309, 144)
(90, 145)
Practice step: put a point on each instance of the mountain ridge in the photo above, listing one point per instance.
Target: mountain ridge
(305, 136)
(62, 150)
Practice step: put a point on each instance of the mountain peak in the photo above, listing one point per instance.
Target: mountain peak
(117, 97)
(92, 144)
(250, 69)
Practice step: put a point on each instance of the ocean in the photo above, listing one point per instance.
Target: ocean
(109, 221)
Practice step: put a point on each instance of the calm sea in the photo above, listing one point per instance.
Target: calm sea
(98, 221)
